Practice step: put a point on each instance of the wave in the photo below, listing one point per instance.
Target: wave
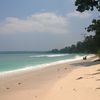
(36, 67)
(49, 55)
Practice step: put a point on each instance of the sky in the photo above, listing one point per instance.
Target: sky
(40, 25)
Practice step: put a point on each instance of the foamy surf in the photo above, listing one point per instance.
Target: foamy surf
(37, 67)
(49, 55)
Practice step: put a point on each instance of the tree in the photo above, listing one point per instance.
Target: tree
(55, 51)
(89, 44)
(83, 5)
(95, 26)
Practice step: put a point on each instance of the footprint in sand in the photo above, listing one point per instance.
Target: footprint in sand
(98, 88)
(7, 88)
(98, 70)
(65, 68)
(19, 83)
(35, 96)
(74, 89)
(58, 69)
(79, 78)
(61, 87)
(59, 76)
(95, 73)
(98, 80)
(89, 77)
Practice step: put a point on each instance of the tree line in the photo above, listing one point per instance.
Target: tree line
(91, 44)
(87, 46)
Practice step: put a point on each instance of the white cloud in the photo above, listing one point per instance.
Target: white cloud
(79, 15)
(39, 22)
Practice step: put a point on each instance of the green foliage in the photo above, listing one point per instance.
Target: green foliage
(87, 46)
(95, 26)
(83, 5)
(55, 51)
(91, 44)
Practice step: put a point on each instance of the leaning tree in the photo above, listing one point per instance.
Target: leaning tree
(83, 5)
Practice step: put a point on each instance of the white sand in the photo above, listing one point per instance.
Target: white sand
(57, 82)
(81, 84)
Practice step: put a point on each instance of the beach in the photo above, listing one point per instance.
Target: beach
(76, 80)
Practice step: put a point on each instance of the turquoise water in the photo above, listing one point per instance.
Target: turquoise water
(12, 61)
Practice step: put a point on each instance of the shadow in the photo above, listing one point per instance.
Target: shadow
(86, 63)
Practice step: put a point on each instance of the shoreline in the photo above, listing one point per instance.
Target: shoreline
(51, 82)
(34, 81)
(41, 66)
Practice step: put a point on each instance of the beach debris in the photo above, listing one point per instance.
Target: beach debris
(79, 78)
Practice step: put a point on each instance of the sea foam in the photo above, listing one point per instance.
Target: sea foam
(36, 67)
(49, 55)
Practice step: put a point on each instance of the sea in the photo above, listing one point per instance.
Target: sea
(14, 61)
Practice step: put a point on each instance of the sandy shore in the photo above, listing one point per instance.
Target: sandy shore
(68, 81)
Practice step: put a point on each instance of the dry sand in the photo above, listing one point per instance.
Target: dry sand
(81, 84)
(58, 82)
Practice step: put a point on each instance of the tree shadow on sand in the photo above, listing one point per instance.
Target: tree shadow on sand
(86, 63)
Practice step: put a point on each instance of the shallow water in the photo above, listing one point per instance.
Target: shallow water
(12, 61)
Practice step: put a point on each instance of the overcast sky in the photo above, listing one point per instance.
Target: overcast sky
(40, 24)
